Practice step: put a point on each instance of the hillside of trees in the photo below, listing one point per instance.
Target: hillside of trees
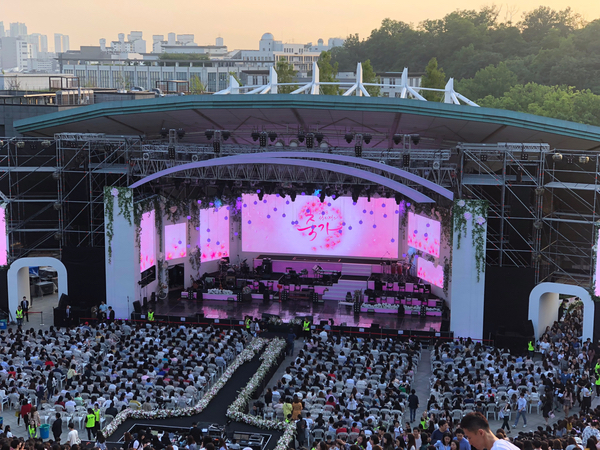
(547, 63)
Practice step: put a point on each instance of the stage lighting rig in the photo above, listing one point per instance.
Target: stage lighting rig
(217, 142)
(272, 136)
(397, 138)
(406, 160)
(180, 133)
(301, 136)
(367, 138)
(358, 145)
(293, 195)
(209, 134)
(415, 138)
(171, 150)
(319, 137)
(310, 140)
(255, 135)
(226, 134)
(349, 137)
(164, 133)
(262, 139)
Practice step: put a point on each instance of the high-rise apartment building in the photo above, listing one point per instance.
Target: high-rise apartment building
(18, 29)
(61, 43)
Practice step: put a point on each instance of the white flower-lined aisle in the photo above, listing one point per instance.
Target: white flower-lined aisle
(237, 409)
(246, 355)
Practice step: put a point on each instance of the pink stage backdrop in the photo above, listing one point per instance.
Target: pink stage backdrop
(423, 234)
(3, 242)
(147, 242)
(214, 233)
(337, 227)
(597, 273)
(427, 271)
(175, 241)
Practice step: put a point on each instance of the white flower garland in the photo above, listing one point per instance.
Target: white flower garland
(246, 355)
(237, 408)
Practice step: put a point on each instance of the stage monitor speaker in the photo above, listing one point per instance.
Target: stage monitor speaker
(63, 302)
(374, 326)
(137, 307)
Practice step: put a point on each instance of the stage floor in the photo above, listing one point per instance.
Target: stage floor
(288, 311)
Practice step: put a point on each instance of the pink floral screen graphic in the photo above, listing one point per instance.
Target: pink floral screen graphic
(214, 233)
(428, 271)
(147, 241)
(175, 241)
(423, 234)
(3, 243)
(308, 226)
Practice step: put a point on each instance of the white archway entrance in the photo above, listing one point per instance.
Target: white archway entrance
(544, 302)
(18, 279)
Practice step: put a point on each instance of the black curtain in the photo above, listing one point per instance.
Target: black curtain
(86, 275)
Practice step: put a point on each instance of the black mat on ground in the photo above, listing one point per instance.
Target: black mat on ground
(215, 412)
(355, 277)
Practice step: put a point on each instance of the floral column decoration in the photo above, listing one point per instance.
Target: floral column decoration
(475, 212)
(123, 197)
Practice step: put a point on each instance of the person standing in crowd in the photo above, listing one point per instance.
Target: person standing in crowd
(57, 428)
(413, 404)
(25, 306)
(102, 309)
(521, 410)
(90, 423)
(73, 436)
(111, 314)
(291, 337)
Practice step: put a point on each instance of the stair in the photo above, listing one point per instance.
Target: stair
(339, 290)
(357, 269)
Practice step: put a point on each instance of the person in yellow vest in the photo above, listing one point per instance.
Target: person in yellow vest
(90, 424)
(97, 414)
(19, 315)
(531, 348)
(248, 323)
(150, 315)
(306, 328)
(597, 372)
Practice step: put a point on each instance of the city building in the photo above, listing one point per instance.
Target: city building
(16, 53)
(18, 29)
(61, 43)
(134, 43)
(392, 82)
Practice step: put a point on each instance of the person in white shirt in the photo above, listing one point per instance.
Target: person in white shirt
(477, 430)
(73, 436)
(521, 410)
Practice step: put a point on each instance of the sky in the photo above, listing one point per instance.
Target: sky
(242, 23)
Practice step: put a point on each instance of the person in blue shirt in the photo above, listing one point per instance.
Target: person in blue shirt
(463, 444)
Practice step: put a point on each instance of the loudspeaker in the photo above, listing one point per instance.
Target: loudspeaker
(137, 307)
(145, 302)
(63, 302)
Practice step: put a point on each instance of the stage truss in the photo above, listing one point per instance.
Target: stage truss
(543, 201)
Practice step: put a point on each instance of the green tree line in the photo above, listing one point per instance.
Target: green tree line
(546, 63)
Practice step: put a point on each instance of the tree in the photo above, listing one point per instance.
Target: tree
(234, 75)
(493, 80)
(328, 73)
(196, 86)
(285, 74)
(370, 77)
(434, 78)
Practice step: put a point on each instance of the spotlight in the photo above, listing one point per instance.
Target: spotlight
(209, 134)
(415, 138)
(262, 139)
(301, 136)
(272, 136)
(226, 134)
(310, 140)
(319, 137)
(397, 138)
(483, 157)
(524, 156)
(146, 156)
(322, 196)
(367, 138)
(293, 196)
(569, 159)
(358, 151)
(180, 133)
(557, 157)
(171, 150)
(406, 160)
(261, 194)
(349, 137)
(164, 133)
(584, 159)
(398, 198)
(46, 144)
(255, 135)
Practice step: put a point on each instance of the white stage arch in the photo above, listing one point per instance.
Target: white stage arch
(544, 302)
(18, 279)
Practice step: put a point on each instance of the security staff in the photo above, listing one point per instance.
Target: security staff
(597, 372)
(90, 423)
(248, 322)
(150, 315)
(531, 348)
(306, 328)
(19, 315)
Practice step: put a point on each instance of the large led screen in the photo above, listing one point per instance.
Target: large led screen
(308, 226)
(3, 238)
(596, 272)
(175, 241)
(427, 271)
(214, 233)
(147, 241)
(423, 234)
